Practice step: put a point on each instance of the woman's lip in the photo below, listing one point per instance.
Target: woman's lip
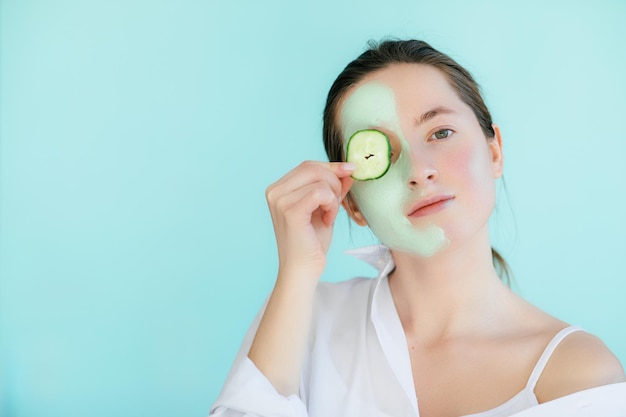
(430, 205)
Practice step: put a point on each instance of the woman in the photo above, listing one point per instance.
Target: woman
(437, 333)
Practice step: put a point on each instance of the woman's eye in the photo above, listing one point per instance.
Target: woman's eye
(441, 134)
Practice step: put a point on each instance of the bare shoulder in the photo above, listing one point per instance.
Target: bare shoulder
(581, 361)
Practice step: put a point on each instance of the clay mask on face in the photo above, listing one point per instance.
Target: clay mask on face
(384, 200)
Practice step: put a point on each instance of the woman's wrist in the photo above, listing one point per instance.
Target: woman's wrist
(298, 278)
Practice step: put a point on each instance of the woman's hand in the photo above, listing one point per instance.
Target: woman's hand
(304, 204)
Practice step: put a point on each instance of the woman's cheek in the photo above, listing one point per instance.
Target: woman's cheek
(383, 202)
(472, 165)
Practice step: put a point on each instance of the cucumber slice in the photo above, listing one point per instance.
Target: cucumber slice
(370, 151)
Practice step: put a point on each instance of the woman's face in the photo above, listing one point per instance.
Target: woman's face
(440, 188)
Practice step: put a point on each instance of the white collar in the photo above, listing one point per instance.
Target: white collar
(378, 256)
(385, 318)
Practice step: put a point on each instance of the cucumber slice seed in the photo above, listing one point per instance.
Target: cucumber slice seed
(370, 151)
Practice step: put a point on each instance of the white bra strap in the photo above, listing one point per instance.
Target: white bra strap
(545, 356)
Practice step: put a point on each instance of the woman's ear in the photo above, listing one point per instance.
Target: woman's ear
(497, 157)
(353, 211)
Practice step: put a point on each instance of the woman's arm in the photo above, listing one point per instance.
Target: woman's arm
(304, 205)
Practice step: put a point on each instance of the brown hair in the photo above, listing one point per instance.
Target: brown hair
(381, 55)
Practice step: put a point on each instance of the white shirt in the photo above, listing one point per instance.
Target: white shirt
(357, 363)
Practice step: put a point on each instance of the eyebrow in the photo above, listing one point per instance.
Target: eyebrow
(431, 114)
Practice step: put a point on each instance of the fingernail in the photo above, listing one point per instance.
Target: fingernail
(348, 166)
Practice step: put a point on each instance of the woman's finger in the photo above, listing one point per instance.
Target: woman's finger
(303, 202)
(313, 171)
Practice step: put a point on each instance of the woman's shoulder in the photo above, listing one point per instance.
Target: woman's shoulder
(341, 308)
(576, 359)
(581, 361)
(355, 289)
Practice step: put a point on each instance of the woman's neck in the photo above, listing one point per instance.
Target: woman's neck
(452, 293)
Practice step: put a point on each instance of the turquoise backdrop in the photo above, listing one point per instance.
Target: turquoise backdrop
(137, 139)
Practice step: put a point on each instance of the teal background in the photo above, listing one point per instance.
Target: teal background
(138, 137)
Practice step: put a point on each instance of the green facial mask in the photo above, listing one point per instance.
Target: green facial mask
(383, 201)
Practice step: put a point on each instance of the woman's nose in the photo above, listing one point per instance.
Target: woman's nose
(422, 172)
